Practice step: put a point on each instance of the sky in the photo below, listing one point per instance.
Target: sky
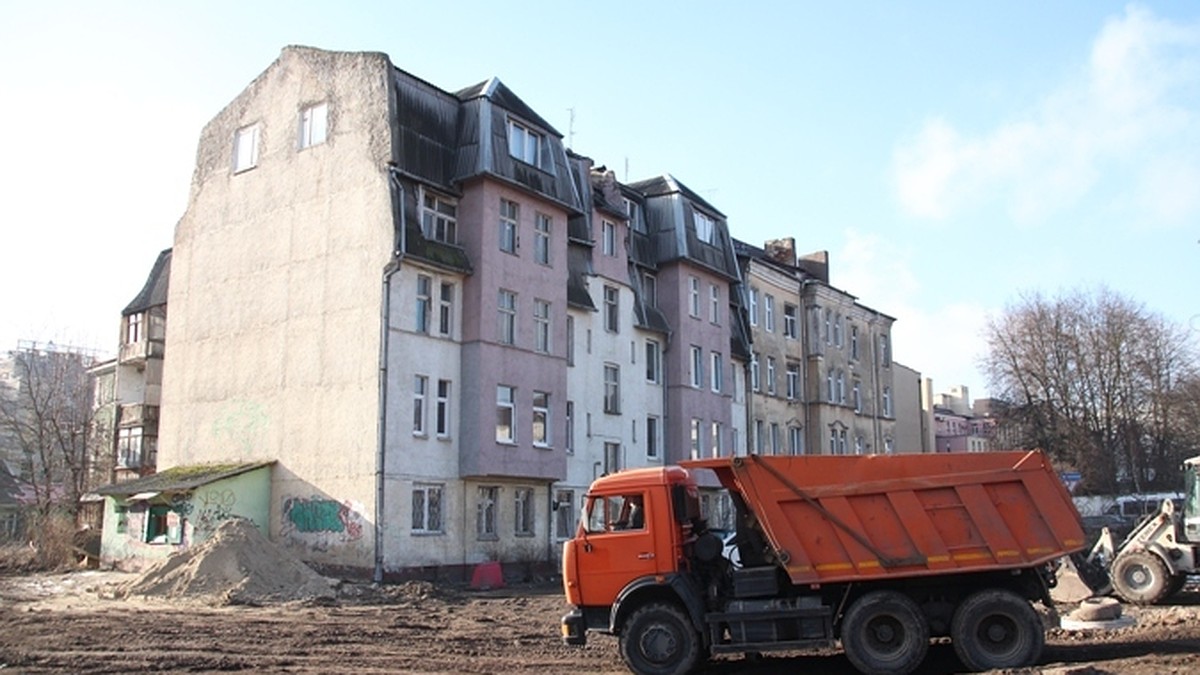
(950, 156)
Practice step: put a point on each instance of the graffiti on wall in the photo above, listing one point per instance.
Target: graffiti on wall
(241, 424)
(320, 522)
(216, 506)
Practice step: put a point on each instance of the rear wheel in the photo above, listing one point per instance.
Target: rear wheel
(658, 639)
(885, 632)
(1141, 578)
(997, 629)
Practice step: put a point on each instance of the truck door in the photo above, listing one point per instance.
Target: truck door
(619, 545)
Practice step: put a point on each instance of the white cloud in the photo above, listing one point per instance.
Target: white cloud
(1133, 102)
(940, 341)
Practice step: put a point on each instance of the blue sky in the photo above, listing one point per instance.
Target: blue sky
(948, 155)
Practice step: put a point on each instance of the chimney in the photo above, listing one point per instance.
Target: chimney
(816, 264)
(782, 251)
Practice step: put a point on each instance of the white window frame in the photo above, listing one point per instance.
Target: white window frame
(524, 143)
(423, 516)
(755, 375)
(612, 308)
(608, 238)
(717, 372)
(717, 442)
(796, 440)
(439, 217)
(424, 302)
(446, 309)
(694, 296)
(652, 436)
(485, 511)
(541, 413)
(771, 375)
(612, 389)
(653, 361)
(714, 304)
(650, 289)
(541, 323)
(793, 381)
(314, 125)
(441, 425)
(420, 400)
(510, 218)
(887, 401)
(570, 420)
(706, 227)
(507, 311)
(246, 148)
(789, 320)
(697, 362)
(506, 408)
(769, 312)
(695, 438)
(753, 306)
(541, 242)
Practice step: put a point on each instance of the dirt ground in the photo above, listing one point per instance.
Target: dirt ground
(55, 623)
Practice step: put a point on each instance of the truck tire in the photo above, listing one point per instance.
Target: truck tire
(885, 632)
(658, 639)
(1176, 584)
(996, 629)
(1141, 578)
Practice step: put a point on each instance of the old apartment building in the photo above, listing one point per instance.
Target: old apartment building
(433, 325)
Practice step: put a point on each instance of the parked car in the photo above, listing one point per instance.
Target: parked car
(1126, 512)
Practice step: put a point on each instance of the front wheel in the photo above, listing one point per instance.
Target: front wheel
(1141, 578)
(658, 639)
(996, 629)
(885, 632)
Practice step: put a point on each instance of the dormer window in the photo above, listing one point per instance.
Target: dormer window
(524, 143)
(705, 228)
(439, 217)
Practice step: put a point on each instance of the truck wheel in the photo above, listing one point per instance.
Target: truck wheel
(658, 639)
(997, 629)
(1140, 577)
(885, 632)
(1178, 581)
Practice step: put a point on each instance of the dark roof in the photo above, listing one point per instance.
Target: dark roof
(154, 293)
(667, 184)
(181, 478)
(501, 95)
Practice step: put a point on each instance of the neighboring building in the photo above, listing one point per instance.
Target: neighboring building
(821, 372)
(956, 426)
(914, 410)
(16, 495)
(526, 298)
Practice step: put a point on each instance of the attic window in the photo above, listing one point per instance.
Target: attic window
(524, 143)
(313, 125)
(245, 148)
(705, 227)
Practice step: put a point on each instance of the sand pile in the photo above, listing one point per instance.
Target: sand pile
(237, 565)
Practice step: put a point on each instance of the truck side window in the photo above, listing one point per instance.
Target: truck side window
(632, 514)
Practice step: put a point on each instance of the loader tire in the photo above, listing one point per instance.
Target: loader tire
(1176, 584)
(885, 632)
(1141, 578)
(997, 629)
(658, 639)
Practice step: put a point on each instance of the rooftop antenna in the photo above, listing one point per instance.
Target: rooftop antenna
(571, 129)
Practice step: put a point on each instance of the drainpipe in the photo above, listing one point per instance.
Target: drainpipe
(390, 269)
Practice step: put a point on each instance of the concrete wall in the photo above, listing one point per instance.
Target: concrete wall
(275, 296)
(196, 514)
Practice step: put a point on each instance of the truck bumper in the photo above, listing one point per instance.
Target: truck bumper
(574, 628)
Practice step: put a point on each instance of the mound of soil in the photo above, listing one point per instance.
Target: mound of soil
(237, 565)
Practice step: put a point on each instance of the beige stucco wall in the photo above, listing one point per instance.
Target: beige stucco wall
(275, 296)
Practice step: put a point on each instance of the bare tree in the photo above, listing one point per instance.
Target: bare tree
(49, 419)
(1096, 380)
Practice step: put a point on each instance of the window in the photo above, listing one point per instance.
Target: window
(570, 340)
(564, 514)
(129, 448)
(697, 367)
(829, 391)
(159, 527)
(313, 125)
(837, 330)
(133, 328)
(694, 296)
(541, 242)
(424, 301)
(714, 304)
(888, 447)
(509, 217)
(652, 437)
(887, 401)
(485, 512)
(769, 312)
(570, 415)
(760, 436)
(789, 321)
(612, 298)
(612, 457)
(695, 436)
(841, 387)
(885, 356)
(717, 448)
(854, 342)
(653, 361)
(608, 238)
(612, 389)
(442, 415)
(857, 396)
(439, 218)
(753, 306)
(427, 509)
(718, 372)
(523, 512)
(828, 327)
(506, 431)
(631, 210)
(705, 228)
(245, 148)
(541, 419)
(793, 381)
(420, 389)
(446, 310)
(650, 289)
(755, 380)
(524, 143)
(833, 436)
(541, 323)
(858, 445)
(771, 375)
(776, 440)
(842, 442)
(795, 441)
(507, 306)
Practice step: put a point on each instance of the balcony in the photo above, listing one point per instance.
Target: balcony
(137, 415)
(138, 352)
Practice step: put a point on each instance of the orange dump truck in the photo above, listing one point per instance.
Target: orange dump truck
(880, 553)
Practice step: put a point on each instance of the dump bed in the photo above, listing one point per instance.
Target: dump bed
(834, 518)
